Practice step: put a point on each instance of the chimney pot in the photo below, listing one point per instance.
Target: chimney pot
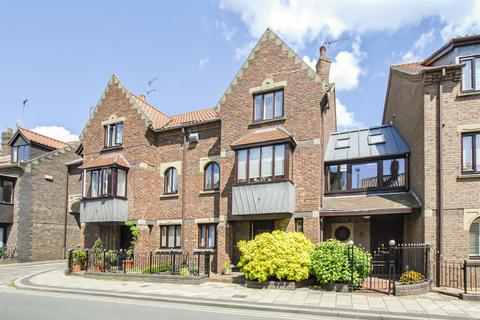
(323, 52)
(142, 97)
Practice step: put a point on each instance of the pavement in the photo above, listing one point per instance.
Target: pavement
(305, 301)
(12, 271)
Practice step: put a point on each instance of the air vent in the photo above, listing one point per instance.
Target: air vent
(193, 137)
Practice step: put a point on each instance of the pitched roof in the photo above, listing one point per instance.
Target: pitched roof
(40, 139)
(409, 67)
(157, 118)
(358, 144)
(361, 204)
(262, 135)
(192, 118)
(107, 161)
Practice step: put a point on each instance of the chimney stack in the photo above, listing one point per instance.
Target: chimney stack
(6, 136)
(142, 97)
(323, 66)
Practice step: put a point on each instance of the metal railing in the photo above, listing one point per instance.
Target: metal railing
(7, 253)
(147, 263)
(460, 274)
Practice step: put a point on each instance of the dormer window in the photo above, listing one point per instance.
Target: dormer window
(113, 135)
(342, 143)
(268, 105)
(20, 153)
(471, 73)
(376, 138)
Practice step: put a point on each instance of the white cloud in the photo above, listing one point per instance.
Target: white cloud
(301, 21)
(243, 51)
(418, 49)
(56, 132)
(226, 31)
(346, 119)
(345, 69)
(203, 62)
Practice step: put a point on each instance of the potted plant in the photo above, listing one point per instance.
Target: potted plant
(411, 277)
(184, 271)
(227, 268)
(111, 259)
(79, 258)
(135, 232)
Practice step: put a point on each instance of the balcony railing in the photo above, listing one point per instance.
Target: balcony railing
(274, 197)
(104, 210)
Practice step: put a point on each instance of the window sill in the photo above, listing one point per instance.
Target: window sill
(7, 203)
(274, 120)
(468, 176)
(108, 149)
(208, 192)
(103, 198)
(211, 250)
(169, 196)
(469, 93)
(168, 250)
(261, 182)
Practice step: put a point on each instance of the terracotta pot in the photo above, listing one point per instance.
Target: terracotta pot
(128, 263)
(97, 268)
(76, 268)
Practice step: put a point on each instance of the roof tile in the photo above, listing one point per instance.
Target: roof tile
(106, 161)
(42, 139)
(262, 135)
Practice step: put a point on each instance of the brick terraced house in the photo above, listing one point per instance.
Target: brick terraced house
(35, 223)
(204, 180)
(435, 105)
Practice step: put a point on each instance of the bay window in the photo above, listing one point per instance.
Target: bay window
(368, 175)
(207, 236)
(268, 105)
(262, 164)
(114, 135)
(105, 182)
(471, 73)
(471, 152)
(170, 236)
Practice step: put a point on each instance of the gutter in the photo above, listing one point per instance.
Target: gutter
(184, 156)
(66, 215)
(186, 125)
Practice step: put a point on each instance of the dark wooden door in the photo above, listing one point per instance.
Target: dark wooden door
(384, 228)
(257, 227)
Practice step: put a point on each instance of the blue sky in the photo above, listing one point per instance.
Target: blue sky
(60, 54)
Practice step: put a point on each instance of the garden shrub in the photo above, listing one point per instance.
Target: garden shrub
(157, 268)
(79, 257)
(330, 263)
(411, 277)
(278, 255)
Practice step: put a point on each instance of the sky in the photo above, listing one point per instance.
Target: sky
(60, 55)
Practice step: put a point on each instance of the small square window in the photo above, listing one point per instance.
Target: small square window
(342, 143)
(376, 138)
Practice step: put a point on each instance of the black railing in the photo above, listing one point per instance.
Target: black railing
(387, 264)
(7, 253)
(460, 274)
(147, 263)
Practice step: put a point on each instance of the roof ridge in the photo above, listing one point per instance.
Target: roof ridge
(198, 110)
(148, 104)
(45, 136)
(362, 129)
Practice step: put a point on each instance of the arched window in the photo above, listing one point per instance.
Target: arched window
(212, 176)
(474, 243)
(171, 181)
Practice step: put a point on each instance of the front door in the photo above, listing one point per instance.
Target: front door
(384, 228)
(261, 226)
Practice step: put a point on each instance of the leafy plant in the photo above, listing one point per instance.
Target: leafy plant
(157, 268)
(278, 255)
(79, 257)
(97, 246)
(111, 257)
(184, 271)
(227, 267)
(331, 263)
(411, 277)
(135, 232)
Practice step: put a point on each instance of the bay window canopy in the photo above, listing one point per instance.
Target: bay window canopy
(375, 158)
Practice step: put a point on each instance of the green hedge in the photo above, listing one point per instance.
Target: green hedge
(157, 268)
(278, 255)
(330, 263)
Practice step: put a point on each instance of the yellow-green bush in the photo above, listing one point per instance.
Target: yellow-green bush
(278, 255)
(411, 277)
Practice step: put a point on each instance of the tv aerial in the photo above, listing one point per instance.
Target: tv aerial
(150, 88)
(329, 42)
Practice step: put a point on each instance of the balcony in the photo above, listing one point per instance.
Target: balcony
(104, 210)
(275, 197)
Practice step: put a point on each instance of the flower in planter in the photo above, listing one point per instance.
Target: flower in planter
(227, 268)
(411, 277)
